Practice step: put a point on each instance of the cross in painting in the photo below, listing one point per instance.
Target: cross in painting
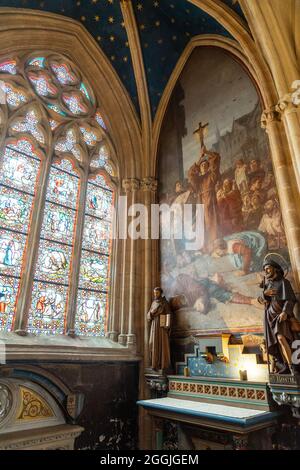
(201, 131)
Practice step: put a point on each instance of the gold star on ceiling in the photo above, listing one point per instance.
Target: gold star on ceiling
(142, 26)
(139, 6)
(111, 19)
(110, 1)
(123, 24)
(157, 23)
(78, 3)
(83, 18)
(97, 17)
(112, 38)
(125, 58)
(155, 4)
(94, 1)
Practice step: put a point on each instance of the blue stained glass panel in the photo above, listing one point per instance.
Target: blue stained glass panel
(96, 234)
(48, 308)
(14, 209)
(99, 202)
(8, 295)
(19, 171)
(91, 313)
(12, 246)
(58, 223)
(93, 271)
(53, 262)
(62, 188)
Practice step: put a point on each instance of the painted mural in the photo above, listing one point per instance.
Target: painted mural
(224, 163)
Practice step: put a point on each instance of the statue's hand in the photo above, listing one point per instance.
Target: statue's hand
(282, 317)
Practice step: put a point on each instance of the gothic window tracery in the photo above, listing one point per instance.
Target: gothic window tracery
(57, 183)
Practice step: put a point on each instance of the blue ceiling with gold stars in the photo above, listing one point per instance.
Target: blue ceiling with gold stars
(165, 28)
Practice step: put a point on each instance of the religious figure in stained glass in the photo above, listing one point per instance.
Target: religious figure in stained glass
(14, 209)
(62, 188)
(47, 308)
(18, 171)
(58, 223)
(91, 310)
(93, 271)
(8, 293)
(11, 252)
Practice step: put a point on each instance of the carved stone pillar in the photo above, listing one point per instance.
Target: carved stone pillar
(127, 336)
(288, 107)
(151, 274)
(286, 184)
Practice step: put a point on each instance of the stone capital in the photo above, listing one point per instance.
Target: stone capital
(270, 115)
(291, 101)
(149, 184)
(130, 184)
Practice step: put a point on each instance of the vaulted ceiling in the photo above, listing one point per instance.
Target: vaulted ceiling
(165, 27)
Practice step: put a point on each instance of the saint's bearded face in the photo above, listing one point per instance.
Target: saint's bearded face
(270, 272)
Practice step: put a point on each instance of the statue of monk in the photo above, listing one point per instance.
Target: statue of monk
(279, 301)
(160, 317)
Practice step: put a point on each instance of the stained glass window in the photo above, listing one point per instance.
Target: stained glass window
(94, 265)
(70, 144)
(15, 96)
(63, 73)
(9, 66)
(54, 147)
(19, 168)
(51, 279)
(30, 123)
(100, 160)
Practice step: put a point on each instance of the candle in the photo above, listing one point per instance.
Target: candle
(243, 375)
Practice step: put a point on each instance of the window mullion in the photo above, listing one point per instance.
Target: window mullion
(76, 256)
(25, 289)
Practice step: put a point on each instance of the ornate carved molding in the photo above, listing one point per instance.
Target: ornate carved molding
(130, 184)
(149, 184)
(270, 115)
(5, 401)
(33, 406)
(289, 102)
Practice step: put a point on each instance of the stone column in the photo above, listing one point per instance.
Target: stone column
(115, 278)
(286, 184)
(134, 284)
(130, 186)
(149, 187)
(289, 108)
(75, 268)
(26, 283)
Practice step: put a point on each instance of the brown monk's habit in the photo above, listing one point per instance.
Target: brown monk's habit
(159, 315)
